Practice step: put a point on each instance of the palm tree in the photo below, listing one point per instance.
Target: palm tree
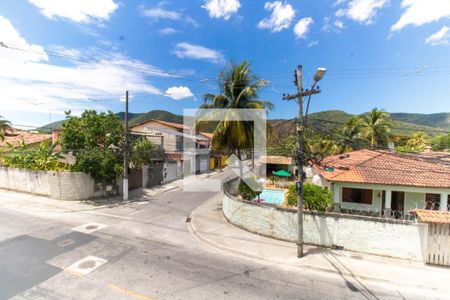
(239, 88)
(4, 125)
(351, 133)
(375, 127)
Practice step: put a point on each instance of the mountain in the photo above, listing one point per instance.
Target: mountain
(441, 120)
(156, 114)
(134, 118)
(50, 127)
(404, 123)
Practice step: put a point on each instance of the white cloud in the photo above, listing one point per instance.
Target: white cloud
(221, 8)
(29, 81)
(302, 27)
(338, 24)
(167, 31)
(441, 37)
(362, 11)
(419, 12)
(158, 13)
(281, 18)
(313, 43)
(79, 11)
(178, 92)
(186, 50)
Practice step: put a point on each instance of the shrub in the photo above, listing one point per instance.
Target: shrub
(246, 192)
(101, 164)
(314, 197)
(42, 157)
(141, 152)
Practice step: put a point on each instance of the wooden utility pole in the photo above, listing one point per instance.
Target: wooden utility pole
(125, 152)
(300, 154)
(299, 157)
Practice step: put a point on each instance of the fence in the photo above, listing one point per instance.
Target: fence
(381, 236)
(57, 185)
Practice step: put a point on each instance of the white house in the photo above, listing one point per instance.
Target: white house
(171, 137)
(377, 181)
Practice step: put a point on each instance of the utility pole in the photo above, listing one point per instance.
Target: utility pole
(300, 155)
(125, 152)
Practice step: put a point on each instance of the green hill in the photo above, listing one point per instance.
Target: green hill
(441, 120)
(404, 123)
(158, 115)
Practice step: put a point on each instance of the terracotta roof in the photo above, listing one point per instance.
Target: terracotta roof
(28, 138)
(388, 168)
(276, 160)
(432, 216)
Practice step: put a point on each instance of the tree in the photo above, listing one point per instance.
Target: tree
(92, 131)
(141, 152)
(416, 143)
(441, 143)
(375, 128)
(4, 126)
(239, 88)
(287, 147)
(96, 141)
(314, 197)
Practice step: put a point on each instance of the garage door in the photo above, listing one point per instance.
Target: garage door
(203, 165)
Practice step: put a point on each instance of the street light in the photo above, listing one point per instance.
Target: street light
(320, 72)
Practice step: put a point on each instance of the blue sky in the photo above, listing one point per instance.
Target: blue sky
(379, 53)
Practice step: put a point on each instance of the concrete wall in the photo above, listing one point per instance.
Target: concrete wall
(393, 238)
(57, 185)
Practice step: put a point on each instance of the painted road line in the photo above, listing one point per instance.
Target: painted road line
(128, 292)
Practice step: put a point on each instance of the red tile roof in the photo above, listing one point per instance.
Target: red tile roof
(387, 168)
(28, 138)
(432, 216)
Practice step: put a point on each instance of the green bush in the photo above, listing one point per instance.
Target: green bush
(42, 157)
(101, 164)
(314, 197)
(141, 152)
(246, 192)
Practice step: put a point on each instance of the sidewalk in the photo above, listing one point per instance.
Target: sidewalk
(37, 203)
(210, 226)
(20, 200)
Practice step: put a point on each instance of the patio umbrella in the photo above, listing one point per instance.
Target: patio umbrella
(282, 173)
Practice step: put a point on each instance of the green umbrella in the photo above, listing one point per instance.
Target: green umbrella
(282, 173)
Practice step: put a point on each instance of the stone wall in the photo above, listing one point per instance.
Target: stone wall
(386, 237)
(57, 185)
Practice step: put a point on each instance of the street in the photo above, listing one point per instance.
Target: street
(145, 251)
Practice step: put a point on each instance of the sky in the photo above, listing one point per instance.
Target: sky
(60, 55)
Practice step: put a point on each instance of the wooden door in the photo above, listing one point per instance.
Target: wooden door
(438, 248)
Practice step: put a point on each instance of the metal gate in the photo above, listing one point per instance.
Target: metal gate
(438, 250)
(155, 174)
(135, 179)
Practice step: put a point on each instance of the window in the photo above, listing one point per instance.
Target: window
(363, 196)
(432, 201)
(179, 143)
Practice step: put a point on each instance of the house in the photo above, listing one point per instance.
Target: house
(273, 163)
(380, 181)
(172, 137)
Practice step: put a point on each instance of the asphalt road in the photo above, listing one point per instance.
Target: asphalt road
(149, 253)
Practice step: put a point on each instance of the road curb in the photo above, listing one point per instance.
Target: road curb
(193, 230)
